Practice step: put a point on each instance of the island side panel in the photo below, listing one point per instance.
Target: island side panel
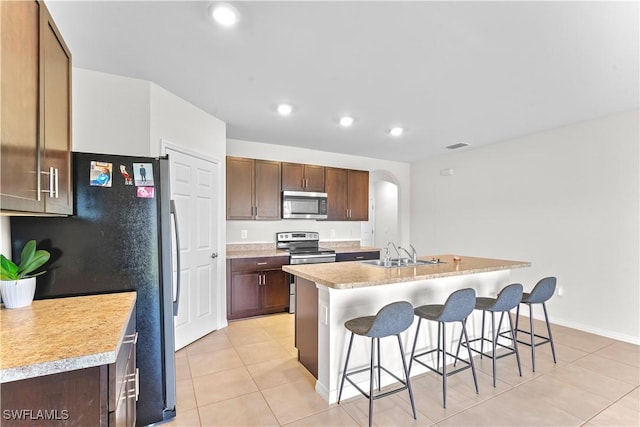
(339, 305)
(306, 323)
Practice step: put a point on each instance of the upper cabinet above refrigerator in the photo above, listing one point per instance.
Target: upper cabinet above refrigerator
(35, 112)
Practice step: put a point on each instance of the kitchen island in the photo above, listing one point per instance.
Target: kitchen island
(327, 295)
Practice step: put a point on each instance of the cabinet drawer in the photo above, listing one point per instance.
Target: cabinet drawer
(258, 264)
(357, 256)
(118, 370)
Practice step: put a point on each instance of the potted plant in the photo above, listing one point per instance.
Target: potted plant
(17, 284)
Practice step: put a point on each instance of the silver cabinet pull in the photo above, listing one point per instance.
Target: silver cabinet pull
(261, 263)
(130, 339)
(214, 255)
(52, 183)
(55, 182)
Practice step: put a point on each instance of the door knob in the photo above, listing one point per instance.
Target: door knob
(214, 255)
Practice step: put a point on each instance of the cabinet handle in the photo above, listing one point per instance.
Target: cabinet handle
(55, 181)
(129, 339)
(51, 174)
(262, 263)
(359, 257)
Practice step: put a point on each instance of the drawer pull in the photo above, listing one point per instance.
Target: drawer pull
(359, 257)
(130, 339)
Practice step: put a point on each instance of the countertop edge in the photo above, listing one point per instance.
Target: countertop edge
(57, 366)
(504, 265)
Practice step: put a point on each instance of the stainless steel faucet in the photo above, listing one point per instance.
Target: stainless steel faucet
(413, 255)
(394, 247)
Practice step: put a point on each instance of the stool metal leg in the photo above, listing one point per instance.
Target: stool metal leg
(346, 363)
(533, 344)
(494, 339)
(466, 339)
(415, 341)
(371, 381)
(406, 373)
(444, 365)
(379, 364)
(482, 335)
(546, 318)
(515, 344)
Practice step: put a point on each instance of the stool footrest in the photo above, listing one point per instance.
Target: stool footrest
(379, 395)
(544, 340)
(436, 370)
(512, 349)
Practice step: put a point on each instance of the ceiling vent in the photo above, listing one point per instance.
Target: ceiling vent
(458, 145)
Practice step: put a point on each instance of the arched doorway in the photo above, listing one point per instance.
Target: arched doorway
(383, 225)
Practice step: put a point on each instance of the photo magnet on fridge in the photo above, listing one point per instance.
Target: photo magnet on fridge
(100, 175)
(145, 192)
(128, 180)
(143, 174)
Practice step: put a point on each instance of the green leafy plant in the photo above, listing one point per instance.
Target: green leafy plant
(30, 260)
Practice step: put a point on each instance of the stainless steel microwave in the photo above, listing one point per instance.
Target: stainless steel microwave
(304, 205)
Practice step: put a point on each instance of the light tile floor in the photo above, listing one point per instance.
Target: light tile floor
(247, 375)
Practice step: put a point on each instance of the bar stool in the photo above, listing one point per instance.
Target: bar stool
(508, 299)
(392, 319)
(457, 308)
(540, 294)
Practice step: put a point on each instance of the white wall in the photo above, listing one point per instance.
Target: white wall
(386, 213)
(566, 199)
(110, 113)
(264, 231)
(119, 115)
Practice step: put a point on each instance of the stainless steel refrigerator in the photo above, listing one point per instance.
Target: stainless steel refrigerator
(119, 239)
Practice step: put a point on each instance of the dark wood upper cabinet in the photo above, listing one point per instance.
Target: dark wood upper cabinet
(302, 177)
(253, 189)
(35, 112)
(347, 194)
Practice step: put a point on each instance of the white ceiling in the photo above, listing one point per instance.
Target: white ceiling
(449, 72)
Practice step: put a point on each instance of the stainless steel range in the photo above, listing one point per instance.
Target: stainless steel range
(303, 248)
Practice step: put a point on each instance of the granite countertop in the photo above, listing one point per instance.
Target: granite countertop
(256, 250)
(356, 274)
(62, 334)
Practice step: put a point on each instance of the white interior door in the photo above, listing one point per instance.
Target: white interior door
(194, 188)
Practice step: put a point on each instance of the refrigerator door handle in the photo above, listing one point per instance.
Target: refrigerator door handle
(176, 301)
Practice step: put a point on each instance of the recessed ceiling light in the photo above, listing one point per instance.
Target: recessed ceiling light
(224, 14)
(396, 131)
(284, 109)
(346, 121)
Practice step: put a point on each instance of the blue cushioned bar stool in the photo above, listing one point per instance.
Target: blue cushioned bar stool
(540, 294)
(508, 299)
(392, 319)
(457, 308)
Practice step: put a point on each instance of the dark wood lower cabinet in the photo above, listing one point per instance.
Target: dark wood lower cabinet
(256, 286)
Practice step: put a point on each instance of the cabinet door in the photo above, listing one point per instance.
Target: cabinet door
(19, 36)
(336, 186)
(56, 126)
(314, 178)
(275, 291)
(240, 188)
(267, 185)
(292, 177)
(245, 294)
(358, 195)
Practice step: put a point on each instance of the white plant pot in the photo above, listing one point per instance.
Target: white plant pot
(18, 293)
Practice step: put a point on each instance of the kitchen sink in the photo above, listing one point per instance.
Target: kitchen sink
(401, 262)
